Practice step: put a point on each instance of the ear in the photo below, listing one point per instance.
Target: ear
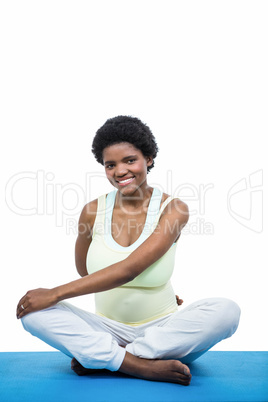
(149, 160)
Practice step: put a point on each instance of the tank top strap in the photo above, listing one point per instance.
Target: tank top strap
(110, 201)
(163, 206)
(154, 206)
(165, 203)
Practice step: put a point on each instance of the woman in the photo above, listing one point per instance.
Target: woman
(125, 254)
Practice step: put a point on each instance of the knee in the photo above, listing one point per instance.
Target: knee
(38, 319)
(35, 322)
(229, 314)
(29, 321)
(232, 311)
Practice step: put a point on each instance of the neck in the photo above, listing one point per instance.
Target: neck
(138, 199)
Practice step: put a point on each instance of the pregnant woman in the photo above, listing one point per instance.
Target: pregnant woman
(125, 254)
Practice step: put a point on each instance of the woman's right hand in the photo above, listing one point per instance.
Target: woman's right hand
(35, 300)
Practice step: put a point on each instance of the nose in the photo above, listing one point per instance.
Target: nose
(120, 170)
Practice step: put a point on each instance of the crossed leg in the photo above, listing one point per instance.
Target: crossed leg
(154, 351)
(187, 335)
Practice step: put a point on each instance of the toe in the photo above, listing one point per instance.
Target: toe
(186, 370)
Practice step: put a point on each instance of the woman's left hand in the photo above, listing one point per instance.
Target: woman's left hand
(36, 300)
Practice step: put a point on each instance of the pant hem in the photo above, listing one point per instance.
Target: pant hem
(116, 362)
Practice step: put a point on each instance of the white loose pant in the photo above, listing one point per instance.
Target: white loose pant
(98, 342)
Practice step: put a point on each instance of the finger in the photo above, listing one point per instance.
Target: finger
(21, 308)
(22, 312)
(22, 300)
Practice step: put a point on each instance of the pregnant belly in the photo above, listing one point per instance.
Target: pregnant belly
(134, 306)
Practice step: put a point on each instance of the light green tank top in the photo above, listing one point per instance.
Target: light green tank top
(150, 295)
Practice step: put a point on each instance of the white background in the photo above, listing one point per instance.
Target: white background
(196, 73)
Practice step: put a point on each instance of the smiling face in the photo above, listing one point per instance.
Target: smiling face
(126, 167)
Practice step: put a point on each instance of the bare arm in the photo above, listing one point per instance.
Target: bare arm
(170, 225)
(145, 255)
(84, 238)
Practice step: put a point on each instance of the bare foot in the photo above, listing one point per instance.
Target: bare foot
(156, 370)
(81, 370)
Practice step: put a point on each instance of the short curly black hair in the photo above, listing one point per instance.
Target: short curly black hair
(125, 129)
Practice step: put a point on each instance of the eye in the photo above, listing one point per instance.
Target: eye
(110, 166)
(131, 161)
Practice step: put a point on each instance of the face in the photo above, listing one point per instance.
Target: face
(126, 167)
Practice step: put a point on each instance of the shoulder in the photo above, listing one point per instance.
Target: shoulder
(90, 209)
(176, 208)
(88, 214)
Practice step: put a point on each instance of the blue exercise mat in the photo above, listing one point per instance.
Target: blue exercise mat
(217, 376)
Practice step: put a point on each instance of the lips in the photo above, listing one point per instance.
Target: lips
(125, 181)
